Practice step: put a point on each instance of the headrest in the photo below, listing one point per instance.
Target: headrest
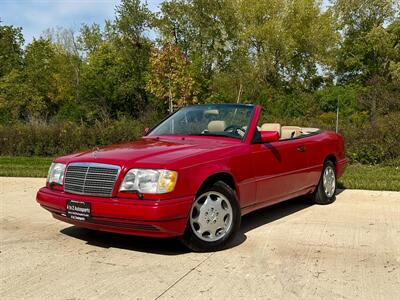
(216, 126)
(211, 112)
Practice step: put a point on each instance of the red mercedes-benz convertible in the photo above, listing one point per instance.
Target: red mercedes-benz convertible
(194, 175)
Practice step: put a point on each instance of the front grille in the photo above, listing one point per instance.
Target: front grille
(90, 179)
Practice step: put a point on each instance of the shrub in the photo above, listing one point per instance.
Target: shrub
(65, 137)
(366, 142)
(374, 143)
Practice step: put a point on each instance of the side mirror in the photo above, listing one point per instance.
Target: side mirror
(146, 130)
(269, 136)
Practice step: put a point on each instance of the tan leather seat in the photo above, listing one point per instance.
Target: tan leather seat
(216, 126)
(271, 127)
(289, 132)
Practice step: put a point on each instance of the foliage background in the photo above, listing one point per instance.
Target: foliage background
(73, 90)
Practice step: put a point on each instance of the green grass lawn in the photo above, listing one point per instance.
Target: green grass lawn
(385, 178)
(24, 166)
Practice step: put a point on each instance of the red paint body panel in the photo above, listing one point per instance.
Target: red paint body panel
(263, 174)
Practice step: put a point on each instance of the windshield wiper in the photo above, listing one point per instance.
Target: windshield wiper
(215, 134)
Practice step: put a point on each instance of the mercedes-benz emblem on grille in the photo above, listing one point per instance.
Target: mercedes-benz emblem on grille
(95, 151)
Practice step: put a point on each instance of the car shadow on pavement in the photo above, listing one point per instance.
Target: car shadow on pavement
(272, 213)
(172, 246)
(164, 246)
(340, 189)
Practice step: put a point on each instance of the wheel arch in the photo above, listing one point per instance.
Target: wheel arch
(223, 176)
(331, 157)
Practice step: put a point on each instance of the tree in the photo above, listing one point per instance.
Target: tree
(169, 78)
(129, 38)
(69, 58)
(11, 53)
(287, 41)
(116, 62)
(205, 31)
(394, 65)
(40, 69)
(90, 38)
(368, 53)
(14, 92)
(366, 46)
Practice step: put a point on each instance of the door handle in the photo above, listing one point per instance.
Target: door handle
(301, 148)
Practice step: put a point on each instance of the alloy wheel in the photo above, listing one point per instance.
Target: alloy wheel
(329, 181)
(211, 216)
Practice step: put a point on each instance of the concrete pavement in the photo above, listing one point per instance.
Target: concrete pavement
(293, 250)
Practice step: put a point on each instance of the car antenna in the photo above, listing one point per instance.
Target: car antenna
(337, 115)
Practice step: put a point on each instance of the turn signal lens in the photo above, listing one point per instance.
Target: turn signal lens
(167, 181)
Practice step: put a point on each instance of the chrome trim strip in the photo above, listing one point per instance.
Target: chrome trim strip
(91, 164)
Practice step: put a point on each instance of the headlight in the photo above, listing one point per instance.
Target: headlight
(149, 181)
(56, 173)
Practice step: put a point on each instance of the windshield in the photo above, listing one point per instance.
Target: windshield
(229, 120)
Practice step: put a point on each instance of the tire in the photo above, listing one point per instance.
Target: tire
(326, 189)
(214, 219)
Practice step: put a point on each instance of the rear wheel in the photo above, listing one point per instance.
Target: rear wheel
(325, 192)
(214, 218)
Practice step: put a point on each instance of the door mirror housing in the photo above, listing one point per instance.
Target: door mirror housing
(146, 130)
(269, 136)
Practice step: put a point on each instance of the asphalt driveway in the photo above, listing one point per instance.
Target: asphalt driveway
(349, 250)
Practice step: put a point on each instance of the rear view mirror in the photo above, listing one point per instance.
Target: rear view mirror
(269, 136)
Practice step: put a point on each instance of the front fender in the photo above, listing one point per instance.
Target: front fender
(197, 175)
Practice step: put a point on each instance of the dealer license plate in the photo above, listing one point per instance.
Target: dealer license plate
(78, 210)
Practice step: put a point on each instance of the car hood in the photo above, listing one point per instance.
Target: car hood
(150, 152)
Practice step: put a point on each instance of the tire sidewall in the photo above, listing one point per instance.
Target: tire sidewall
(193, 242)
(320, 196)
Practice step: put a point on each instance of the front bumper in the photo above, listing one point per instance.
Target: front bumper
(164, 218)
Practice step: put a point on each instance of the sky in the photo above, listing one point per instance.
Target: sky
(35, 16)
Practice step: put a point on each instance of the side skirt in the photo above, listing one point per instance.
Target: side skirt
(253, 207)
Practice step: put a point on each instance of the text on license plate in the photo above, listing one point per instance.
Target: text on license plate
(78, 210)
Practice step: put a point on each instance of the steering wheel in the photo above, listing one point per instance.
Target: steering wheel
(235, 129)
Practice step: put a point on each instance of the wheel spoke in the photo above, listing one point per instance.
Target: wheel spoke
(202, 226)
(220, 224)
(196, 219)
(199, 227)
(224, 214)
(218, 202)
(212, 233)
(198, 206)
(222, 231)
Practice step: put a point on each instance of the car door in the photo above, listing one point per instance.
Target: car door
(279, 168)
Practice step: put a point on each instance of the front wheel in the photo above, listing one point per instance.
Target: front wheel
(325, 192)
(214, 218)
